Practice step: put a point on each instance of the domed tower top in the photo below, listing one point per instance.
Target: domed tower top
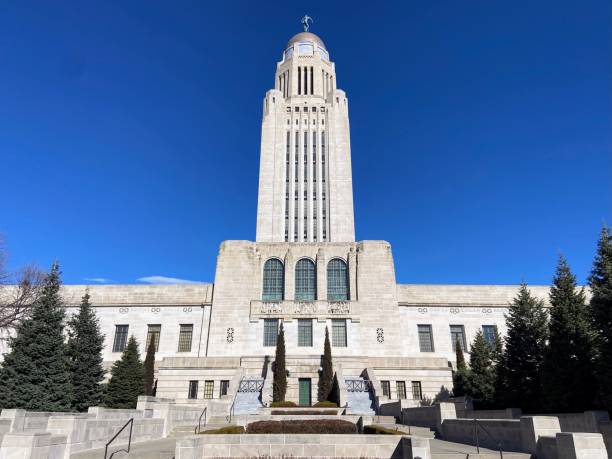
(305, 37)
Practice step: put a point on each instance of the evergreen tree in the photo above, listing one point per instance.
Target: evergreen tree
(279, 381)
(326, 380)
(85, 350)
(461, 374)
(600, 282)
(519, 385)
(482, 371)
(35, 374)
(149, 367)
(568, 372)
(127, 378)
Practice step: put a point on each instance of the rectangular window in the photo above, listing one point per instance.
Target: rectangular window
(185, 336)
(224, 387)
(153, 334)
(208, 389)
(401, 389)
(457, 333)
(490, 333)
(270, 332)
(425, 338)
(305, 332)
(417, 394)
(193, 390)
(121, 334)
(386, 388)
(339, 332)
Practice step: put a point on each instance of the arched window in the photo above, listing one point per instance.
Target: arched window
(273, 280)
(305, 280)
(337, 280)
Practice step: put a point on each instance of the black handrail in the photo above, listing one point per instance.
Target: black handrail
(203, 413)
(131, 423)
(499, 443)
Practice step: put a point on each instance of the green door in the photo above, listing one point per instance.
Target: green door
(304, 391)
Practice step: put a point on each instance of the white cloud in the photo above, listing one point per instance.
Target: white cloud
(166, 280)
(97, 280)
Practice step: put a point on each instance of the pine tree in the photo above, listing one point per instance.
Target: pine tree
(520, 368)
(279, 382)
(85, 350)
(568, 371)
(149, 367)
(127, 378)
(461, 374)
(482, 371)
(326, 380)
(35, 374)
(600, 282)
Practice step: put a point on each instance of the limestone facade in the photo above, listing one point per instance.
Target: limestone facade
(210, 336)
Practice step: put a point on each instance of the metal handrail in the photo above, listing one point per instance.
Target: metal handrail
(203, 413)
(231, 411)
(499, 443)
(131, 423)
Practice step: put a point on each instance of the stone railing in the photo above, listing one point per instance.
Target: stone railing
(295, 309)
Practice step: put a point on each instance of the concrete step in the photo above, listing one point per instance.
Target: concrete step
(412, 430)
(441, 449)
(152, 449)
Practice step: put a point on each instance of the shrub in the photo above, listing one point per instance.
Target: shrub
(380, 430)
(319, 426)
(225, 430)
(283, 404)
(304, 412)
(326, 404)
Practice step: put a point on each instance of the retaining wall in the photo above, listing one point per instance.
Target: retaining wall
(314, 446)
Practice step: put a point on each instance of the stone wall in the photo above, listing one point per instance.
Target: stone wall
(315, 446)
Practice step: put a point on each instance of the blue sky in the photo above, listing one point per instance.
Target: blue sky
(129, 132)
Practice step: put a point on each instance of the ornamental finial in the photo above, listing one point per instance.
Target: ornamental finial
(305, 20)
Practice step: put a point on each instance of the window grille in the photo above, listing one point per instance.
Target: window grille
(386, 388)
(208, 389)
(339, 332)
(153, 334)
(425, 338)
(490, 334)
(417, 393)
(337, 280)
(270, 332)
(305, 280)
(273, 280)
(121, 334)
(192, 393)
(401, 389)
(305, 332)
(185, 336)
(458, 333)
(224, 387)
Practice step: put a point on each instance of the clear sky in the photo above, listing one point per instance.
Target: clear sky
(480, 130)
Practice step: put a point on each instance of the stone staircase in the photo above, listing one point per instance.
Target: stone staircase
(441, 449)
(359, 396)
(247, 400)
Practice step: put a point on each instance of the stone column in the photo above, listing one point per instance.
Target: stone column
(321, 274)
(289, 275)
(352, 267)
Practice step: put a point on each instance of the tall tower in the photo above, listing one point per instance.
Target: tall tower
(305, 180)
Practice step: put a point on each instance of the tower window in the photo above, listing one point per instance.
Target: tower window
(305, 280)
(273, 280)
(299, 81)
(311, 81)
(339, 332)
(337, 280)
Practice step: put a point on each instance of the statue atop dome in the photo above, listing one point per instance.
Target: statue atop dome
(305, 20)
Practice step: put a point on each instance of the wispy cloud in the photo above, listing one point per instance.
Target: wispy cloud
(97, 280)
(166, 280)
